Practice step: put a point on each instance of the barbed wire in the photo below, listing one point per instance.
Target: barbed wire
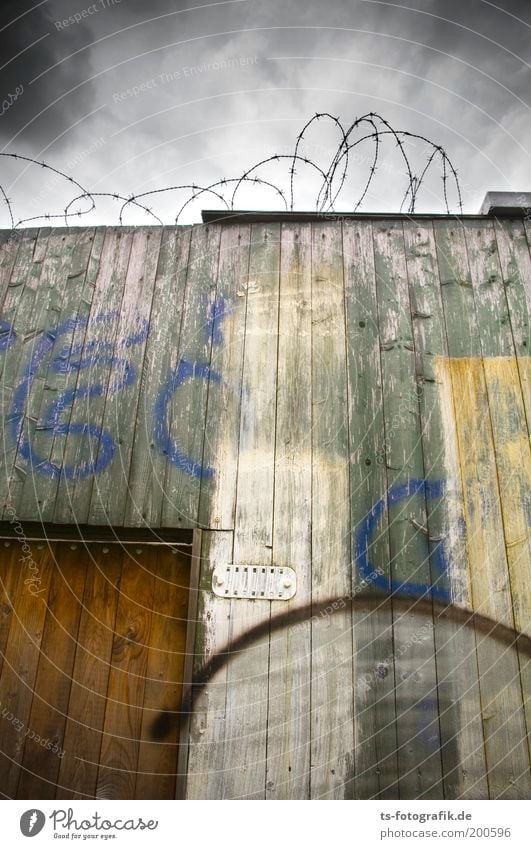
(371, 129)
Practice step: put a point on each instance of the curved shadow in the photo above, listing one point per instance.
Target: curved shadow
(368, 602)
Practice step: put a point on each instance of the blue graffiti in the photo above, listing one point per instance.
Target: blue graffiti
(217, 311)
(168, 446)
(430, 490)
(7, 335)
(427, 723)
(68, 360)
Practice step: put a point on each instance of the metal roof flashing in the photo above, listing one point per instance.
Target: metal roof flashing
(502, 204)
(517, 204)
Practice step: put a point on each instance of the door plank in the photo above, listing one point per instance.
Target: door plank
(40, 765)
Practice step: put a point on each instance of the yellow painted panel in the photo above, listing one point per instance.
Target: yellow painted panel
(495, 465)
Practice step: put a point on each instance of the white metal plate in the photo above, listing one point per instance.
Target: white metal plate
(246, 581)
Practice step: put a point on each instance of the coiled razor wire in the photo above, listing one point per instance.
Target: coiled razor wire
(370, 129)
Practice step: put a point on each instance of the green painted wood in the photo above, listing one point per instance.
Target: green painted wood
(288, 726)
(81, 450)
(17, 310)
(222, 427)
(38, 312)
(17, 257)
(527, 228)
(68, 382)
(419, 761)
(186, 412)
(332, 708)
(109, 493)
(9, 245)
(17, 301)
(37, 492)
(208, 735)
(515, 262)
(376, 768)
(489, 577)
(148, 463)
(459, 705)
(244, 774)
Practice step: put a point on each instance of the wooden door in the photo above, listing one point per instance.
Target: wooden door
(92, 648)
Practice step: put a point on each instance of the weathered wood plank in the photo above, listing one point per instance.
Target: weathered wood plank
(515, 261)
(68, 373)
(244, 773)
(157, 762)
(86, 706)
(82, 451)
(288, 726)
(10, 576)
(189, 663)
(109, 492)
(182, 405)
(20, 664)
(208, 732)
(510, 436)
(125, 692)
(418, 736)
(507, 412)
(36, 493)
(40, 765)
(489, 577)
(8, 255)
(332, 686)
(222, 428)
(376, 768)
(459, 706)
(26, 313)
(15, 308)
(148, 463)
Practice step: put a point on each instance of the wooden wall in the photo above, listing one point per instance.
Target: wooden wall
(351, 399)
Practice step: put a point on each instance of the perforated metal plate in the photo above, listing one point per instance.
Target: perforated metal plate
(242, 580)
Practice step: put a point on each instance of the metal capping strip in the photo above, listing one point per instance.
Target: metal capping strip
(247, 581)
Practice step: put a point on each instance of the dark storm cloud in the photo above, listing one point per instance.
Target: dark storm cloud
(47, 51)
(29, 44)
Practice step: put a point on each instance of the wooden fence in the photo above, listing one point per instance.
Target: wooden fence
(348, 398)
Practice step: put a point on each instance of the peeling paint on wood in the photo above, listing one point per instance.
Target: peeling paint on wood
(350, 399)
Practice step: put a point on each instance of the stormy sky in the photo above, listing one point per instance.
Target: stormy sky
(128, 96)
